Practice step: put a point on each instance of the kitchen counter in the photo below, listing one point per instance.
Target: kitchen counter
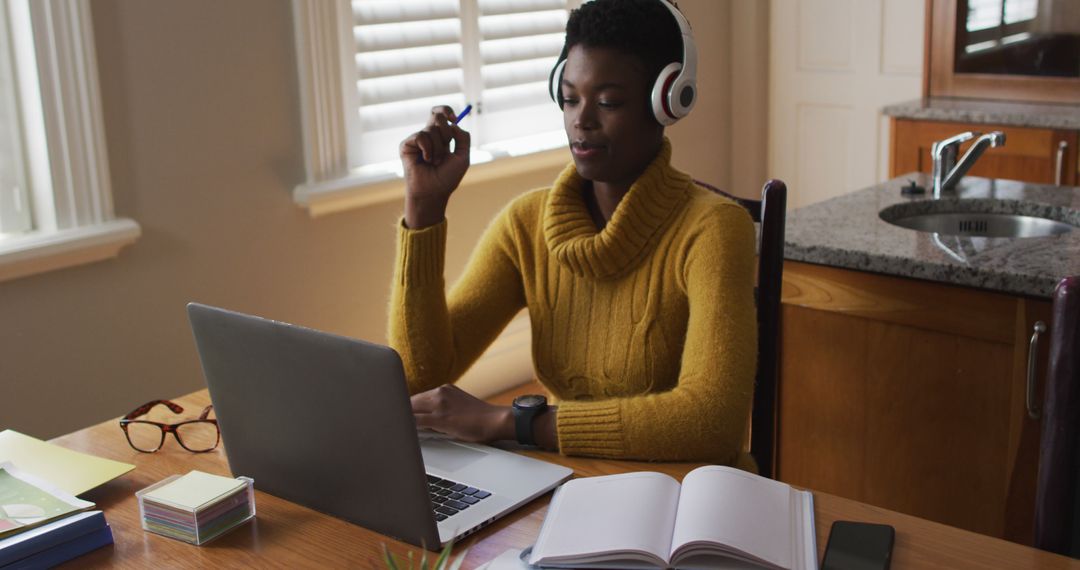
(847, 232)
(1034, 115)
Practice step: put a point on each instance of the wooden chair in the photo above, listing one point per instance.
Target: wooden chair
(771, 213)
(1057, 498)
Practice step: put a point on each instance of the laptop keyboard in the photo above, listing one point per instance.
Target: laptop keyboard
(449, 498)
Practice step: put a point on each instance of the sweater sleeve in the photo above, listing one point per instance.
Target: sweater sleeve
(704, 417)
(440, 335)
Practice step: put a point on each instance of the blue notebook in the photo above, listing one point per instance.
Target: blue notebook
(58, 535)
(64, 552)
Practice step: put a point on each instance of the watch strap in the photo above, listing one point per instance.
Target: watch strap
(523, 425)
(525, 415)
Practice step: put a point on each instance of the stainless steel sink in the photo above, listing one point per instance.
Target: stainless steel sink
(983, 225)
(972, 218)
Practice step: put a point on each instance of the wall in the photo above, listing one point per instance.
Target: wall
(706, 152)
(723, 142)
(749, 32)
(203, 131)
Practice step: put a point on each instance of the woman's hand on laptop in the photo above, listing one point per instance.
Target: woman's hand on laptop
(458, 414)
(454, 412)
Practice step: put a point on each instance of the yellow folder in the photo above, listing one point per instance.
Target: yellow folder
(69, 470)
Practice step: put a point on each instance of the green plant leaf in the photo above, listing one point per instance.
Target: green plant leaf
(440, 563)
(456, 565)
(443, 562)
(391, 562)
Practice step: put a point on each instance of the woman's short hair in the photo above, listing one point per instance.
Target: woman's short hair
(642, 28)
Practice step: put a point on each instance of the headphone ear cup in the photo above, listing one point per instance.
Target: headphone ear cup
(682, 95)
(555, 82)
(661, 94)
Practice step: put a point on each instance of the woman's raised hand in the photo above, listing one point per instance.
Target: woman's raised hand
(432, 170)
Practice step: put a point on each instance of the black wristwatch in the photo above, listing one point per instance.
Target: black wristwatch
(526, 408)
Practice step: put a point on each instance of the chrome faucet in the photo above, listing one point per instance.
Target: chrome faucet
(947, 170)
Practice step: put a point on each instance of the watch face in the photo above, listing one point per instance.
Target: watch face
(529, 401)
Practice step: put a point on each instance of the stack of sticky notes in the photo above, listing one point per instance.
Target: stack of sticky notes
(196, 507)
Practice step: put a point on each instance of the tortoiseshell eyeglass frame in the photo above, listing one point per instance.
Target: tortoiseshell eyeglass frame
(168, 428)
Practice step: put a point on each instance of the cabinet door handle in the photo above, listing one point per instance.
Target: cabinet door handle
(1059, 173)
(1033, 410)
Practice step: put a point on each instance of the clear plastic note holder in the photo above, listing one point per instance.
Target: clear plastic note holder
(203, 524)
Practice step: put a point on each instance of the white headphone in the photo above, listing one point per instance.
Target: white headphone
(675, 90)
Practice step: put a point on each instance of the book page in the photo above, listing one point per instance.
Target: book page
(631, 512)
(71, 471)
(805, 533)
(727, 506)
(27, 501)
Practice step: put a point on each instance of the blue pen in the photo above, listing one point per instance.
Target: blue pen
(464, 113)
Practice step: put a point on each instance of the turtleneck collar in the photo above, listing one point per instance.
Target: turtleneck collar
(634, 229)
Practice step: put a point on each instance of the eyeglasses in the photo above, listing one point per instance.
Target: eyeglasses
(197, 436)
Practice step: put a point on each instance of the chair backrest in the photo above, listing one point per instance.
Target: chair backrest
(1057, 499)
(771, 213)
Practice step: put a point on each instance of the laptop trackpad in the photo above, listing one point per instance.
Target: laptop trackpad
(445, 455)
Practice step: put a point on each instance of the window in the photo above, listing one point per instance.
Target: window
(14, 203)
(55, 197)
(370, 71)
(991, 23)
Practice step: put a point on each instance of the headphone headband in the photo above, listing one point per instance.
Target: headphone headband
(674, 91)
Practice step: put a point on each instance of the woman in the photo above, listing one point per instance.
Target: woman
(639, 283)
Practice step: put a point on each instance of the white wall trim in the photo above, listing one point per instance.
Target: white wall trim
(74, 222)
(21, 256)
(318, 29)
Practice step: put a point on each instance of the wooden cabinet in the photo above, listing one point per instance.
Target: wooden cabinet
(1030, 155)
(909, 395)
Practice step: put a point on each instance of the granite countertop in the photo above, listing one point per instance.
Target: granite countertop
(847, 232)
(980, 111)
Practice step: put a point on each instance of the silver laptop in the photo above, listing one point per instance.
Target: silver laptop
(325, 421)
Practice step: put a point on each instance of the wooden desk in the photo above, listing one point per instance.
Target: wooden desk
(290, 536)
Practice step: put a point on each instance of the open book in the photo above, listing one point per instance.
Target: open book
(27, 501)
(718, 517)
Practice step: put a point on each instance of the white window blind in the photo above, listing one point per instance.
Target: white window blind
(520, 41)
(493, 54)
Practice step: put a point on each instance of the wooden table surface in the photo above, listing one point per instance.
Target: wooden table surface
(286, 535)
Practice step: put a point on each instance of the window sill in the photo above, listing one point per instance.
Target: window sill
(38, 252)
(348, 192)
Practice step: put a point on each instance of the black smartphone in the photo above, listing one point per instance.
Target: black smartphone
(858, 546)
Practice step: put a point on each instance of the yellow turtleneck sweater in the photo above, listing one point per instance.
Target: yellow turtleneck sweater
(644, 332)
